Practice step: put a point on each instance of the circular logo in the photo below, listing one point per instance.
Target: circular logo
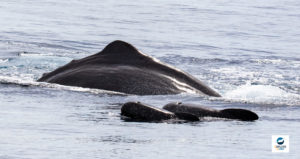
(280, 141)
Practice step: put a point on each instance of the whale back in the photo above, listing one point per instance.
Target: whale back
(118, 54)
(196, 110)
(115, 53)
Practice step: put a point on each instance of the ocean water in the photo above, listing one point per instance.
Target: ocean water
(248, 51)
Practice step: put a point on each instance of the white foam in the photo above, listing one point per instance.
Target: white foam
(3, 60)
(270, 61)
(263, 94)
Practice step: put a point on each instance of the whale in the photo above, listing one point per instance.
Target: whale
(203, 111)
(143, 112)
(121, 67)
(190, 112)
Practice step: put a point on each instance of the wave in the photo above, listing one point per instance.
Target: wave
(3, 60)
(269, 60)
(26, 83)
(252, 94)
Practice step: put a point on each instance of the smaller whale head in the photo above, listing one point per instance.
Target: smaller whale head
(140, 111)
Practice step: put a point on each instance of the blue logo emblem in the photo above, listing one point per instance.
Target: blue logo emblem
(280, 141)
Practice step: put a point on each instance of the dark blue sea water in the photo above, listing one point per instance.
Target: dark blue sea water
(248, 51)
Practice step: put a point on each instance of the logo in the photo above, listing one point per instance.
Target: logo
(280, 143)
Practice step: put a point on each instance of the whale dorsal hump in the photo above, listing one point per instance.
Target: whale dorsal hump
(121, 48)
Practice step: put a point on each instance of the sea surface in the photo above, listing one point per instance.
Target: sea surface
(247, 50)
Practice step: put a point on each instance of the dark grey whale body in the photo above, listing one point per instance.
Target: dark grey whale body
(202, 111)
(190, 112)
(122, 68)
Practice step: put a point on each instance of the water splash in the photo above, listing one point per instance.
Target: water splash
(262, 94)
